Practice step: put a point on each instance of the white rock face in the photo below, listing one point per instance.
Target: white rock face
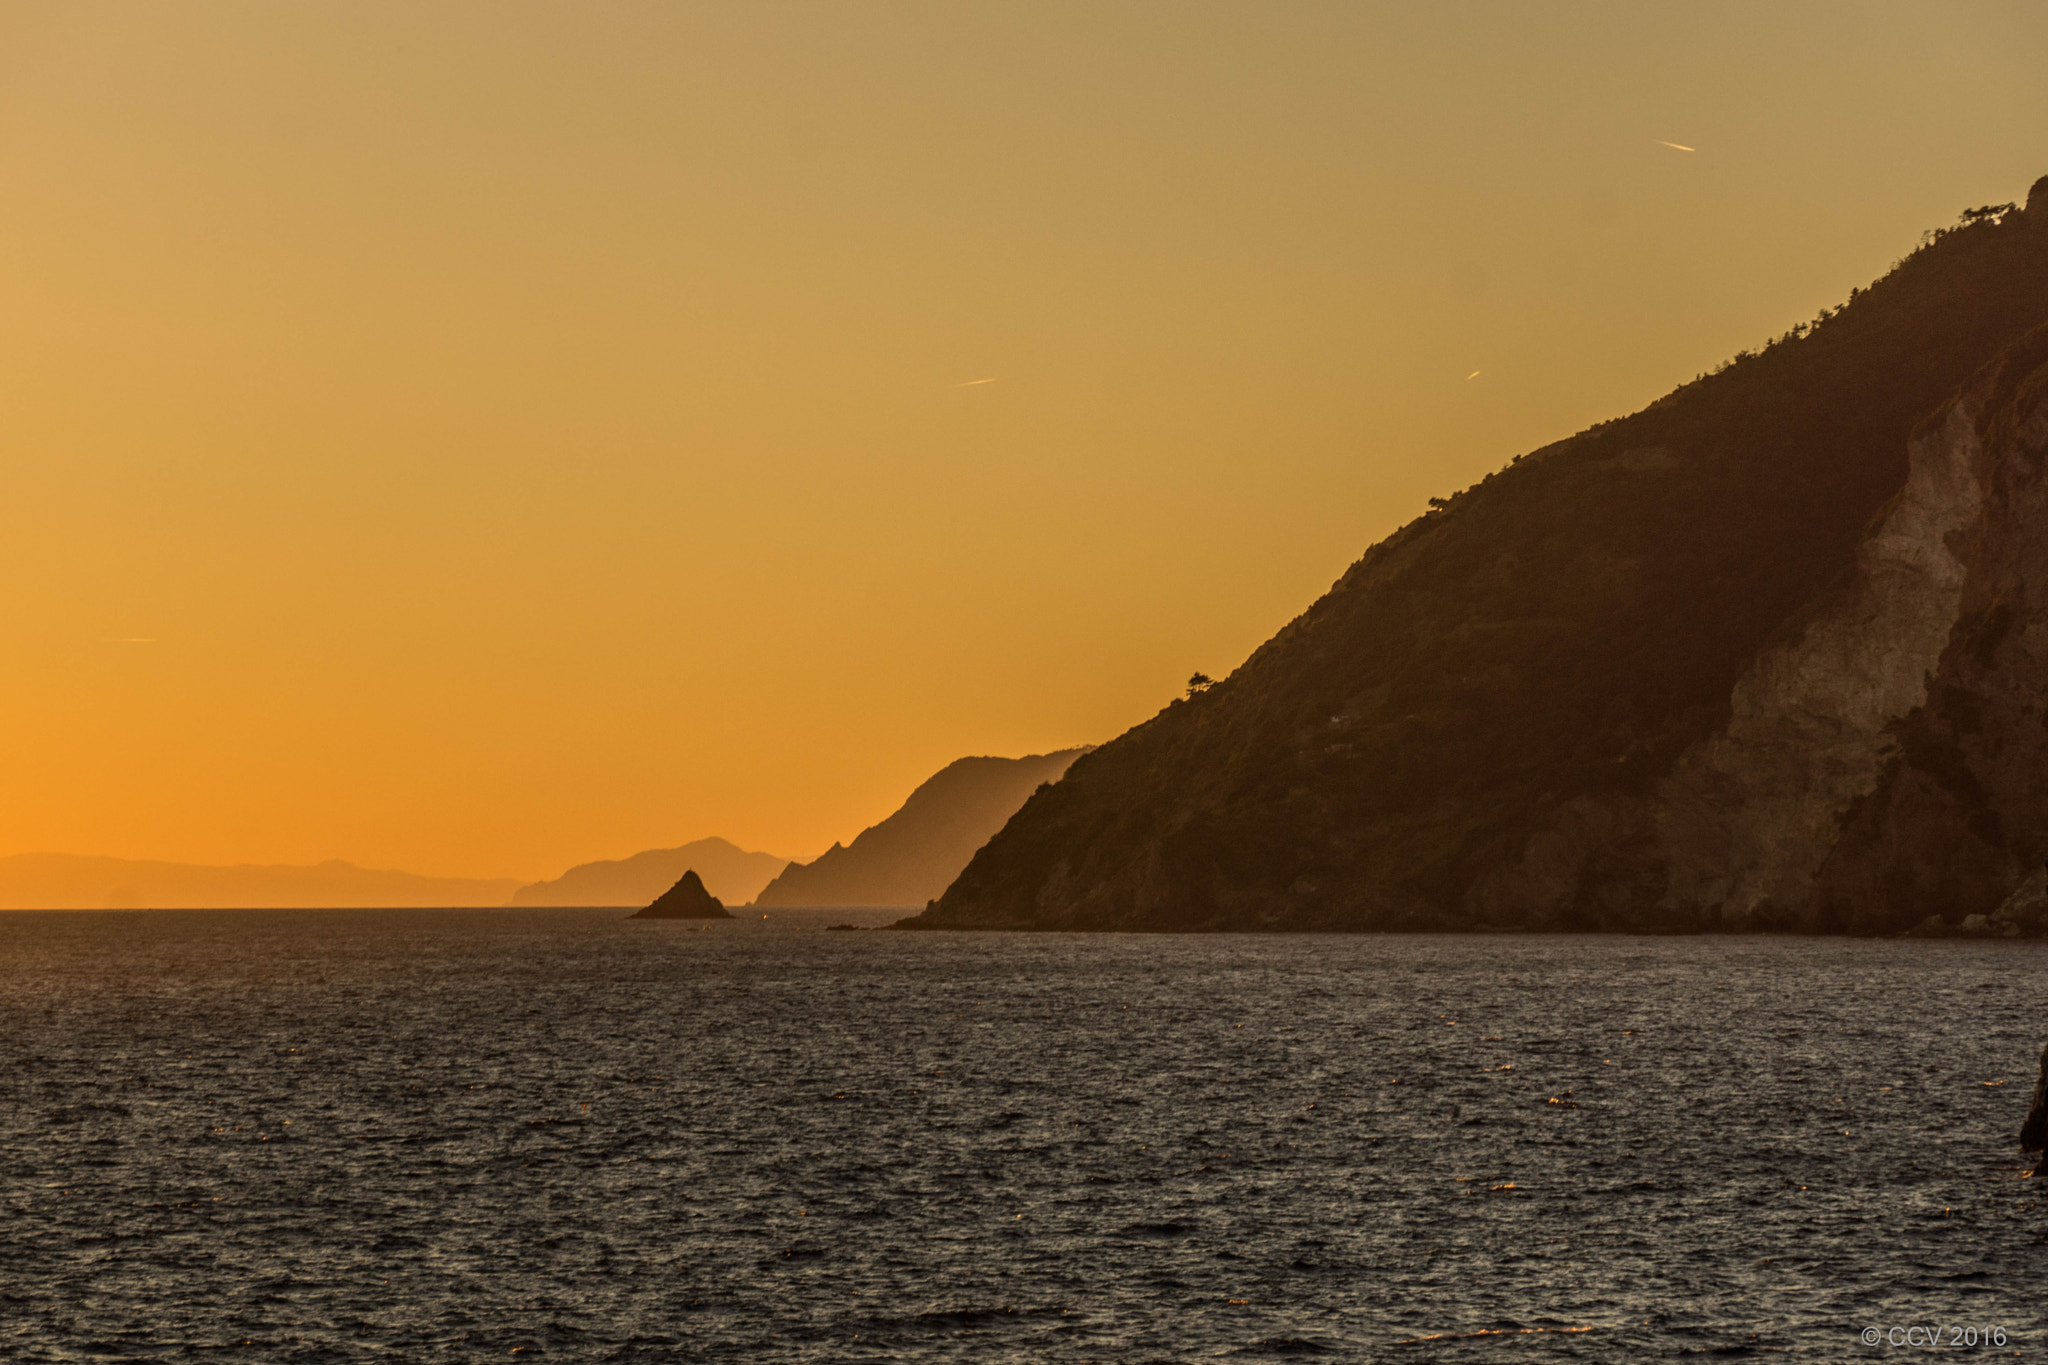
(1747, 816)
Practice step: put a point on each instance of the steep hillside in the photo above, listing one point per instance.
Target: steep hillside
(64, 881)
(1671, 673)
(912, 856)
(730, 873)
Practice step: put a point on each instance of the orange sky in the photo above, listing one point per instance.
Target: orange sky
(478, 438)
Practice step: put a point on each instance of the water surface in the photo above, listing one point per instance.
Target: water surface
(420, 1135)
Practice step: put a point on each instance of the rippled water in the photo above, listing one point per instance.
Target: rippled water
(405, 1135)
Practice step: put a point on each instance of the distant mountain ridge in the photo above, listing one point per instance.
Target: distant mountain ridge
(1769, 654)
(68, 881)
(732, 874)
(912, 856)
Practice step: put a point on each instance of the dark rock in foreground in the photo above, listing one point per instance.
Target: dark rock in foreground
(2034, 1132)
(687, 899)
(1771, 654)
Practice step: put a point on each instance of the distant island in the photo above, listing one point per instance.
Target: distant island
(916, 853)
(687, 899)
(728, 871)
(66, 881)
(1770, 654)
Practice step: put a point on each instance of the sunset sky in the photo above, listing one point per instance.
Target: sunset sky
(479, 438)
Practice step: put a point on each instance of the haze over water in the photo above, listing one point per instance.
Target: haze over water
(346, 1135)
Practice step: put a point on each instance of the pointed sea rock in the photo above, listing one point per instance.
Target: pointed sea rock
(687, 899)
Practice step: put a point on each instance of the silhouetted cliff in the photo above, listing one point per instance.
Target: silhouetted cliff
(1770, 653)
(912, 856)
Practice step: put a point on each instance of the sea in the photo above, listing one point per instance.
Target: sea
(424, 1135)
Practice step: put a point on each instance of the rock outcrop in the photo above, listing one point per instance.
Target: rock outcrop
(687, 899)
(1770, 654)
(2025, 912)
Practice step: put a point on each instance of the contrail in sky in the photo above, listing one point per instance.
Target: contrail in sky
(972, 382)
(1676, 146)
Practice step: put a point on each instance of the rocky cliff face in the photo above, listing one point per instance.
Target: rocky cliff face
(1748, 814)
(1771, 653)
(1885, 760)
(1959, 815)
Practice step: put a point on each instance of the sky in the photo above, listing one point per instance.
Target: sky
(478, 438)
